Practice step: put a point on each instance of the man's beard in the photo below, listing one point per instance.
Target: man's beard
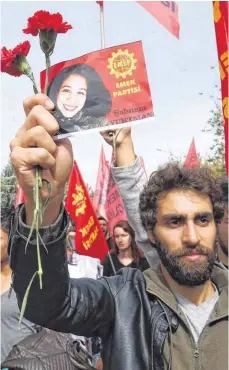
(186, 273)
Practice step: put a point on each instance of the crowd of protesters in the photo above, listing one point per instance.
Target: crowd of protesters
(157, 301)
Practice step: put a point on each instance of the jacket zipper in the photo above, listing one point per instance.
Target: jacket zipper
(196, 355)
(196, 352)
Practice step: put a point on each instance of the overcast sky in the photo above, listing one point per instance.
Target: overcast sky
(178, 71)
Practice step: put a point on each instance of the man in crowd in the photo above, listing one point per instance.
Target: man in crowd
(105, 229)
(223, 226)
(172, 317)
(130, 178)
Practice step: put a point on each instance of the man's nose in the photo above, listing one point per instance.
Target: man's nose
(190, 234)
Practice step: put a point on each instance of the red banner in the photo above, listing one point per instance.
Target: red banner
(192, 158)
(100, 195)
(102, 88)
(89, 239)
(165, 12)
(114, 207)
(221, 29)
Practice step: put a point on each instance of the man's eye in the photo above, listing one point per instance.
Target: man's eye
(203, 220)
(175, 222)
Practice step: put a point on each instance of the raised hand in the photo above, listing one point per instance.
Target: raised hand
(33, 145)
(121, 141)
(119, 135)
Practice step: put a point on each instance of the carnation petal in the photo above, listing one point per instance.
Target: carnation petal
(42, 20)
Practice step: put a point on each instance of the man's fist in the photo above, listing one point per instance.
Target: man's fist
(118, 135)
(33, 145)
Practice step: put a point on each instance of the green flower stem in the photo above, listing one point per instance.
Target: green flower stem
(38, 186)
(39, 207)
(47, 63)
(114, 143)
(35, 88)
(24, 303)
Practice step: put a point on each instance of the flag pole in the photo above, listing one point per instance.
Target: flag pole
(111, 262)
(102, 29)
(102, 34)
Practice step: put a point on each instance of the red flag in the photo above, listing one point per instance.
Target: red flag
(89, 238)
(115, 210)
(165, 12)
(192, 159)
(100, 3)
(20, 196)
(100, 195)
(221, 29)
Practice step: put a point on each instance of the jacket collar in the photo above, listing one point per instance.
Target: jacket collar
(156, 285)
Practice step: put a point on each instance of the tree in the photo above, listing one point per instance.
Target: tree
(90, 191)
(216, 125)
(8, 190)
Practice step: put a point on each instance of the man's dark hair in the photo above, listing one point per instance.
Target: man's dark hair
(175, 176)
(102, 218)
(223, 182)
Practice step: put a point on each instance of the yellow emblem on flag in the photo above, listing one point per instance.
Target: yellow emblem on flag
(79, 200)
(122, 63)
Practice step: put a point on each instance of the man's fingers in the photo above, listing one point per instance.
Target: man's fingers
(38, 137)
(39, 116)
(30, 157)
(14, 143)
(38, 99)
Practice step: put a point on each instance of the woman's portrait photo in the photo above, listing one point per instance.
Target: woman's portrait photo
(81, 99)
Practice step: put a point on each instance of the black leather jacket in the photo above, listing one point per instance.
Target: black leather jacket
(117, 309)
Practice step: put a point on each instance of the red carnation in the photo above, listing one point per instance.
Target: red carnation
(13, 61)
(43, 20)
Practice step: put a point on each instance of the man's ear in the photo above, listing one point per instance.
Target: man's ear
(151, 237)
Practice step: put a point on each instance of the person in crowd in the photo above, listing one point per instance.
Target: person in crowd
(223, 226)
(10, 333)
(81, 99)
(171, 316)
(126, 253)
(105, 229)
(130, 177)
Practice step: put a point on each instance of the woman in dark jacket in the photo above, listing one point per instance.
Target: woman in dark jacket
(126, 253)
(81, 99)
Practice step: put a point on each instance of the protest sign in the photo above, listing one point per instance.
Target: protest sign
(103, 88)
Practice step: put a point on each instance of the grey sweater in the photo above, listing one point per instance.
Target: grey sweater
(130, 181)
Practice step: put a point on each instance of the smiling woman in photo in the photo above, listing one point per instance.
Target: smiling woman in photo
(81, 99)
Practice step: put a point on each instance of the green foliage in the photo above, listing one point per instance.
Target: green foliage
(8, 190)
(90, 191)
(216, 125)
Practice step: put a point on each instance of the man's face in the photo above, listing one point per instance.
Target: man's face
(4, 244)
(223, 232)
(104, 226)
(185, 235)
